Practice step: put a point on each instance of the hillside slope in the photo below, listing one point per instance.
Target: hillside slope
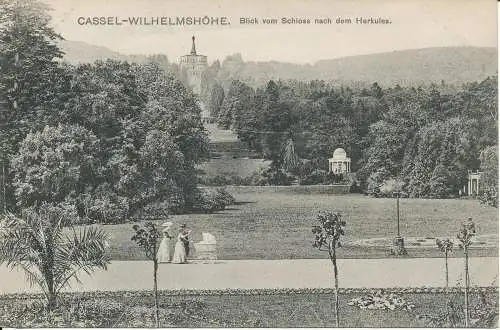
(408, 67)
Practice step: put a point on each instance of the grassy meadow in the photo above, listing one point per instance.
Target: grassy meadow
(278, 225)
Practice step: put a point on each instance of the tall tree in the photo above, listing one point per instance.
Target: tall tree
(28, 72)
(209, 80)
(276, 126)
(445, 151)
(216, 100)
(174, 111)
(290, 157)
(489, 166)
(54, 166)
(237, 102)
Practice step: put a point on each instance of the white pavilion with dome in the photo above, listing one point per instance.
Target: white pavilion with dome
(339, 163)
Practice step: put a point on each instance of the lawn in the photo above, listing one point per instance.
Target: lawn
(278, 225)
(229, 310)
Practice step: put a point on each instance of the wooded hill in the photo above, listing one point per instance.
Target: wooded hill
(455, 65)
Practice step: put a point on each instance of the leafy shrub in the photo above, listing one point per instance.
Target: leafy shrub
(103, 206)
(69, 313)
(375, 181)
(451, 317)
(224, 195)
(177, 204)
(212, 200)
(353, 182)
(255, 179)
(483, 313)
(218, 180)
(103, 313)
(389, 187)
(314, 177)
(489, 197)
(384, 188)
(277, 177)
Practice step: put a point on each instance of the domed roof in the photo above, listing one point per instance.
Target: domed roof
(339, 152)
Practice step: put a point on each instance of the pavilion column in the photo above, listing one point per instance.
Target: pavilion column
(469, 191)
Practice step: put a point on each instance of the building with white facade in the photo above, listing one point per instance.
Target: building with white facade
(192, 67)
(339, 163)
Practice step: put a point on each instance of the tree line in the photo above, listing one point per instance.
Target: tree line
(426, 138)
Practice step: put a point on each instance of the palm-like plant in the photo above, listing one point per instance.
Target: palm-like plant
(49, 255)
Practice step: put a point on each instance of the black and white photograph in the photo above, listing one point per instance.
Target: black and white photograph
(237, 164)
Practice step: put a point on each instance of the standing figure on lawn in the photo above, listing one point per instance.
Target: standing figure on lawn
(181, 251)
(165, 249)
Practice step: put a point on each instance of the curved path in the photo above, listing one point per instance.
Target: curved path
(249, 274)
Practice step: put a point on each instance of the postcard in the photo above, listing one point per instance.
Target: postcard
(234, 164)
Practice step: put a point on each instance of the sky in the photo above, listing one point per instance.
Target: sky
(414, 24)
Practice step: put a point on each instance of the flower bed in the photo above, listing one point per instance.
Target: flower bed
(278, 291)
(226, 308)
(381, 300)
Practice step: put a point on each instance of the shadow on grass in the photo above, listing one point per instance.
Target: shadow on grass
(243, 203)
(236, 204)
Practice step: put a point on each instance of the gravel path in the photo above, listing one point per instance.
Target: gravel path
(302, 273)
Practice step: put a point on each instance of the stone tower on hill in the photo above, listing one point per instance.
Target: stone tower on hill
(192, 67)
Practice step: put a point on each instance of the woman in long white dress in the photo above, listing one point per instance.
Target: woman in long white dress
(180, 249)
(164, 254)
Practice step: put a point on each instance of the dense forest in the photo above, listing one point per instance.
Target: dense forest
(107, 141)
(114, 140)
(425, 138)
